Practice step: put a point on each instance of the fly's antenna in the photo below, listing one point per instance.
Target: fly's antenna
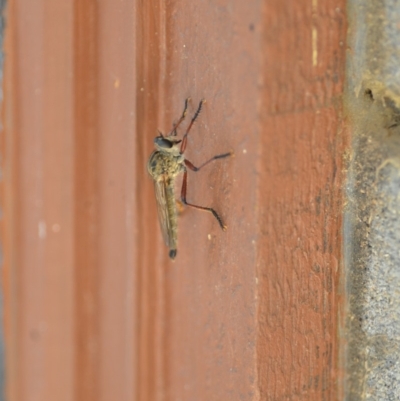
(176, 125)
(197, 112)
(184, 139)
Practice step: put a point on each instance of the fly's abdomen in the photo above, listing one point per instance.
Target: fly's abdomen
(173, 218)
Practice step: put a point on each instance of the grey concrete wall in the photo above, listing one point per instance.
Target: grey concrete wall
(372, 214)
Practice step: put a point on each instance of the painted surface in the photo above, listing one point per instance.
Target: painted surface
(95, 310)
(300, 200)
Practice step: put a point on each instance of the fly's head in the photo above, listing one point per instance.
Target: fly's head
(167, 144)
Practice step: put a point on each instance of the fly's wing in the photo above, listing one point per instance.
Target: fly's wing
(160, 187)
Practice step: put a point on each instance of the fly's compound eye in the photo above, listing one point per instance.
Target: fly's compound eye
(163, 143)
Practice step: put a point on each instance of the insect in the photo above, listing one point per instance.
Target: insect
(164, 165)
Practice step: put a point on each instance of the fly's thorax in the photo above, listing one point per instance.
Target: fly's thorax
(165, 164)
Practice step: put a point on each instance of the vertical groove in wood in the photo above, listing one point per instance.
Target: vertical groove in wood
(8, 196)
(86, 192)
(150, 314)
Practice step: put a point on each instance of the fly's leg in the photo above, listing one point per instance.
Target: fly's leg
(194, 168)
(175, 126)
(184, 139)
(207, 209)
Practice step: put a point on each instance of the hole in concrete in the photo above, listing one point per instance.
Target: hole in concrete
(368, 93)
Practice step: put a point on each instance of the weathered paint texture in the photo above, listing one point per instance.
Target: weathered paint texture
(300, 198)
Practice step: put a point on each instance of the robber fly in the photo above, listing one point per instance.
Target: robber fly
(164, 165)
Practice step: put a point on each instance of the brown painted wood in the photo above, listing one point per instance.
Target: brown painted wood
(95, 310)
(69, 201)
(86, 213)
(38, 202)
(302, 167)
